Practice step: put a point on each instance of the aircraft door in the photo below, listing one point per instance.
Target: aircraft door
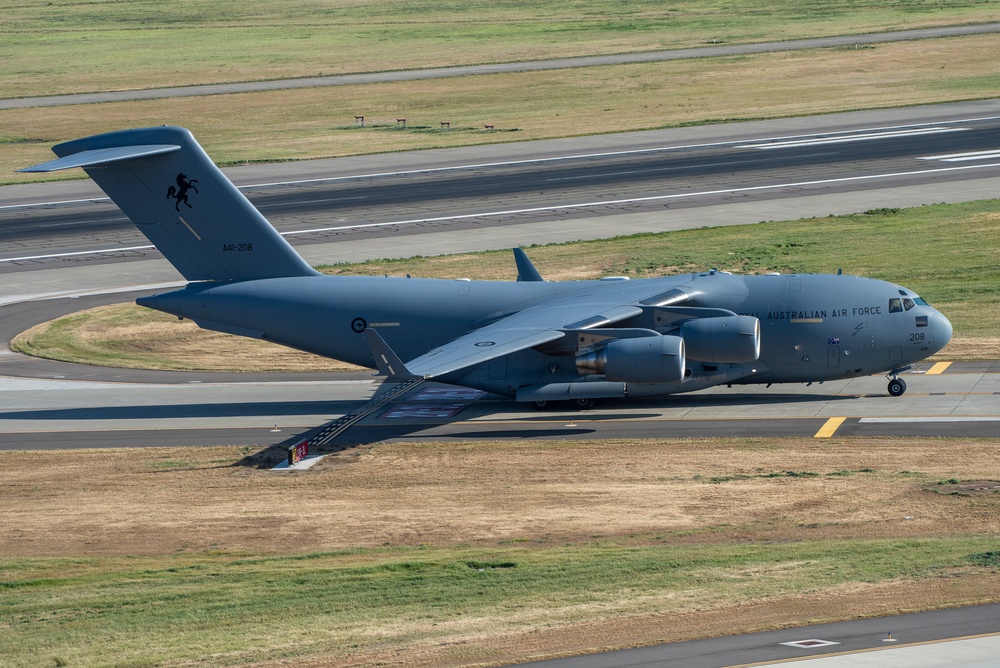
(833, 357)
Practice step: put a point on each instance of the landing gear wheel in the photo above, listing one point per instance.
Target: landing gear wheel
(897, 386)
(583, 404)
(541, 405)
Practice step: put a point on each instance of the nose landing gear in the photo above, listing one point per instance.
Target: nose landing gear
(897, 386)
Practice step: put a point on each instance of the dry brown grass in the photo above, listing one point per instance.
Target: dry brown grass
(963, 348)
(129, 336)
(161, 501)
(532, 494)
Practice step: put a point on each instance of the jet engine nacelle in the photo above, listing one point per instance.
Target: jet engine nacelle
(727, 340)
(647, 359)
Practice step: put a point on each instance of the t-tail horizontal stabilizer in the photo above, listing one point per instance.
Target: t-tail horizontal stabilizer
(167, 185)
(386, 361)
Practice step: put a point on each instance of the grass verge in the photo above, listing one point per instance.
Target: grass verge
(319, 122)
(62, 47)
(339, 608)
(129, 336)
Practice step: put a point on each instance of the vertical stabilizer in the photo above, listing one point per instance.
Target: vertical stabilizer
(525, 269)
(163, 180)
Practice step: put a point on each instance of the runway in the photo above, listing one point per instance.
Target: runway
(334, 210)
(64, 248)
(269, 409)
(427, 202)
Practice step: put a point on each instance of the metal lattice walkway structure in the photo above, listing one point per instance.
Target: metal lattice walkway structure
(382, 397)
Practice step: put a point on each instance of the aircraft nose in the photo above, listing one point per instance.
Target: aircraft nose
(940, 329)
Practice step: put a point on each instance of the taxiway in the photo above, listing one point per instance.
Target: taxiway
(64, 247)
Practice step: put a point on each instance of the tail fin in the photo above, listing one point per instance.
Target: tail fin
(168, 186)
(525, 270)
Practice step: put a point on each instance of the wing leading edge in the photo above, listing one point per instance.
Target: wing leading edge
(519, 331)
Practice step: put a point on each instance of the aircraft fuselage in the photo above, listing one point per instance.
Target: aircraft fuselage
(813, 327)
(534, 340)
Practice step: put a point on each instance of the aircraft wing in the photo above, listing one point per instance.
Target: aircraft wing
(519, 331)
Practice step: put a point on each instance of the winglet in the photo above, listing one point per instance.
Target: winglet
(525, 270)
(386, 361)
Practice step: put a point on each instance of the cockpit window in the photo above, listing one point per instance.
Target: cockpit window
(920, 301)
(908, 304)
(895, 305)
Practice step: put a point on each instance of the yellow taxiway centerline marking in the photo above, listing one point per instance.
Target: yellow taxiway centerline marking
(830, 428)
(938, 369)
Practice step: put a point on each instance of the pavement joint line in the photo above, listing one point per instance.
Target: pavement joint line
(593, 422)
(830, 428)
(928, 420)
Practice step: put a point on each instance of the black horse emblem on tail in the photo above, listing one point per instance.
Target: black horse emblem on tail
(180, 192)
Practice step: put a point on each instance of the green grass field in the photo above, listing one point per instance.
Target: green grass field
(51, 47)
(319, 122)
(226, 610)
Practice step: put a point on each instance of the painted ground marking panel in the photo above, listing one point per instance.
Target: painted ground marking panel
(447, 394)
(812, 643)
(423, 411)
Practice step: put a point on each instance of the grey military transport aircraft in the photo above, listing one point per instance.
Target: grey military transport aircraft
(530, 339)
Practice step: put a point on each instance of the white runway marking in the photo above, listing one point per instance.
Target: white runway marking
(578, 156)
(964, 157)
(560, 207)
(855, 137)
(901, 131)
